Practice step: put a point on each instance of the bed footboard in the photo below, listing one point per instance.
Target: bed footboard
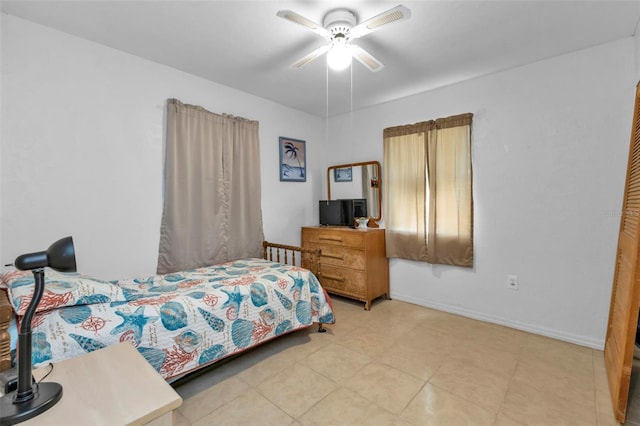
(293, 255)
(5, 337)
(306, 258)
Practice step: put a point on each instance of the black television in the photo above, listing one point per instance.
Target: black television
(360, 207)
(331, 213)
(341, 212)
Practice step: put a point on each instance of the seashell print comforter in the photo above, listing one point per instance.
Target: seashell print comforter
(179, 322)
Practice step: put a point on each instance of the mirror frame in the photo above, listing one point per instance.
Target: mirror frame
(372, 220)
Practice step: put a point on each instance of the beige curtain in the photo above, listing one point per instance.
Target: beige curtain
(212, 201)
(428, 198)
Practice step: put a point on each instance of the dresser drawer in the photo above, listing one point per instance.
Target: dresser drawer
(334, 237)
(340, 256)
(344, 280)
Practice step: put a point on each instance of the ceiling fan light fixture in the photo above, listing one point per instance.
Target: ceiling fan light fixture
(339, 57)
(340, 28)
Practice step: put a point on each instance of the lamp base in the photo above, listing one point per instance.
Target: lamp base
(45, 396)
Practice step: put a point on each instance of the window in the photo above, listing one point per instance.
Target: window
(428, 191)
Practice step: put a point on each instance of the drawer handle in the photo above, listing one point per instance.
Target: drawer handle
(332, 277)
(338, 239)
(333, 256)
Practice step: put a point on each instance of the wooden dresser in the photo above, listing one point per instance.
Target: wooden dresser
(353, 262)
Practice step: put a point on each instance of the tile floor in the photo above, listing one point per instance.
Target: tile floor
(401, 364)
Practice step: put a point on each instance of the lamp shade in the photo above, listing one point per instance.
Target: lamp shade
(60, 256)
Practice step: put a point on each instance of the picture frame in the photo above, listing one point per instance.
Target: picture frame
(343, 174)
(293, 160)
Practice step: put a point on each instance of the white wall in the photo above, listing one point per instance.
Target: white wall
(81, 154)
(1, 258)
(82, 150)
(636, 39)
(550, 142)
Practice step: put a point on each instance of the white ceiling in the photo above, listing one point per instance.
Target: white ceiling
(244, 45)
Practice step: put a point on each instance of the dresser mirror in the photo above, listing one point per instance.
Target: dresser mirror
(358, 180)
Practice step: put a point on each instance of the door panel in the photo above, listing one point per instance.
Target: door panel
(625, 294)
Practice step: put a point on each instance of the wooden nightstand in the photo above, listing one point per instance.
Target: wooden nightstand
(5, 319)
(110, 386)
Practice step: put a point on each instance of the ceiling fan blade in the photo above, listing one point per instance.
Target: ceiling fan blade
(310, 57)
(301, 20)
(398, 13)
(365, 58)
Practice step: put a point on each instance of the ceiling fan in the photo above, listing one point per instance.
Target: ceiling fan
(339, 28)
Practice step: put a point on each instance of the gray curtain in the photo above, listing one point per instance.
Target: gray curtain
(212, 201)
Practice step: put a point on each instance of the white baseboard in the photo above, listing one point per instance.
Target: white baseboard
(543, 331)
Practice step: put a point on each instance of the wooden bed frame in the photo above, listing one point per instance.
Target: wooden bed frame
(291, 255)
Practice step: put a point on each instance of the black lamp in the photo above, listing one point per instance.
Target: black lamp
(29, 400)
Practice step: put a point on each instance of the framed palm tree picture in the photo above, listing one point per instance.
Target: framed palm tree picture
(293, 161)
(343, 175)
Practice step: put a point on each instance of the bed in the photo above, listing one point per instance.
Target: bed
(180, 322)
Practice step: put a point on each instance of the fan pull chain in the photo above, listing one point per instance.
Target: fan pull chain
(351, 90)
(326, 119)
(327, 96)
(351, 87)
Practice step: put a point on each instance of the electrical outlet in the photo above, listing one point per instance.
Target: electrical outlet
(512, 282)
